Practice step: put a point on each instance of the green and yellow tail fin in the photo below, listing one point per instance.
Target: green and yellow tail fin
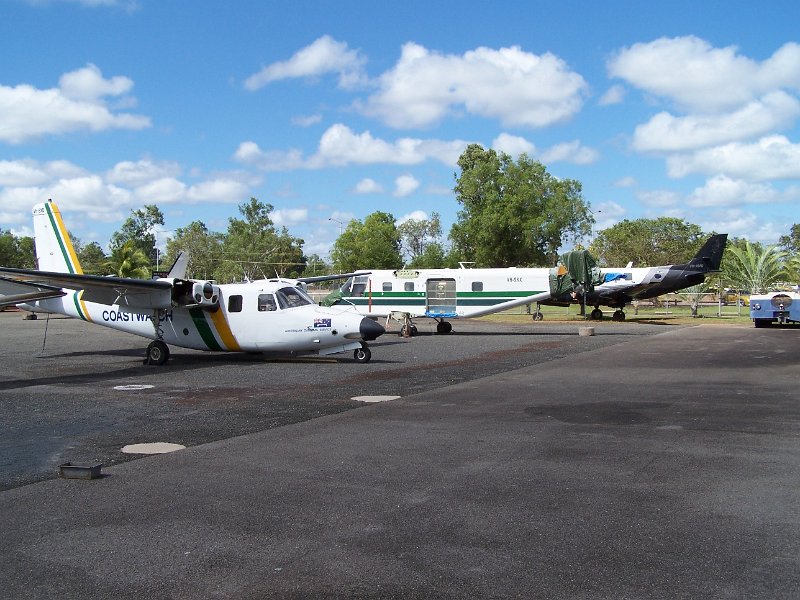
(54, 250)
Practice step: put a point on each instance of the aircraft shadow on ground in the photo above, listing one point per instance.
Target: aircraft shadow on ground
(177, 360)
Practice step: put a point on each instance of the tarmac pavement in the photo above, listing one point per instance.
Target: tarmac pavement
(665, 466)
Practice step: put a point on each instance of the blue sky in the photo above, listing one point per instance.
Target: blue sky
(329, 111)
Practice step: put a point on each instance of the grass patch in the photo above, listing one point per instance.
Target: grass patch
(675, 315)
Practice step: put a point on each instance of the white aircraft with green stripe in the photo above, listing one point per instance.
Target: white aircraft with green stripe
(442, 294)
(271, 315)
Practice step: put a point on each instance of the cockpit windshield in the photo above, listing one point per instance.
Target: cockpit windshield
(355, 286)
(292, 297)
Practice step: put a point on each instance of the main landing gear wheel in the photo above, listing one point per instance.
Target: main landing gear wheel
(538, 316)
(362, 354)
(157, 353)
(596, 315)
(444, 327)
(618, 315)
(408, 331)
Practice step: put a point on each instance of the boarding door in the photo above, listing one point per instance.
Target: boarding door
(440, 298)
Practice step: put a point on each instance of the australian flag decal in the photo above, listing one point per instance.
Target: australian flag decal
(322, 322)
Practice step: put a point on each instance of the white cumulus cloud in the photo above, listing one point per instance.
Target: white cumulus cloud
(771, 157)
(368, 186)
(405, 185)
(517, 87)
(667, 133)
(698, 77)
(289, 217)
(340, 146)
(324, 55)
(78, 104)
(572, 152)
(513, 145)
(724, 191)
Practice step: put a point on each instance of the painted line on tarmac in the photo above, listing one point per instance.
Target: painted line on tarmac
(374, 398)
(133, 387)
(152, 448)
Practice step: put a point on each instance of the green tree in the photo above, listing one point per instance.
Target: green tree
(373, 244)
(420, 241)
(753, 268)
(128, 261)
(693, 295)
(253, 248)
(432, 257)
(139, 229)
(514, 213)
(203, 246)
(16, 252)
(648, 242)
(791, 242)
(316, 265)
(92, 259)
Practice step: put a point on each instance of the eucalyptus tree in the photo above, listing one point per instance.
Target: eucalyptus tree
(648, 242)
(92, 259)
(371, 244)
(16, 252)
(253, 248)
(420, 241)
(139, 229)
(202, 245)
(514, 213)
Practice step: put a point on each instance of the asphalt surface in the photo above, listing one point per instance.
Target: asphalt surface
(520, 461)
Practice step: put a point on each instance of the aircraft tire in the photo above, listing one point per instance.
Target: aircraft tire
(444, 327)
(157, 353)
(618, 316)
(597, 314)
(538, 316)
(362, 354)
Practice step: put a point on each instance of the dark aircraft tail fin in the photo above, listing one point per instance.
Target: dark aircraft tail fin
(709, 257)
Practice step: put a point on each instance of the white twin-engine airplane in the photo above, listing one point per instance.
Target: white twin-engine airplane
(274, 315)
(443, 294)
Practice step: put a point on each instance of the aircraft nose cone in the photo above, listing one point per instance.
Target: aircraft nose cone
(370, 329)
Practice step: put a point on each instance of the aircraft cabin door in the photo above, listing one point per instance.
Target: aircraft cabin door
(440, 298)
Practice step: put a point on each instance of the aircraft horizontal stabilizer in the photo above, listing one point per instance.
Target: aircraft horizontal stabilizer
(15, 292)
(144, 293)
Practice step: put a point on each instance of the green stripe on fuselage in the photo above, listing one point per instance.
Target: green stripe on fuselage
(418, 298)
(204, 329)
(78, 305)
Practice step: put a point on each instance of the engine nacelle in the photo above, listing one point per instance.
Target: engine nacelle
(205, 294)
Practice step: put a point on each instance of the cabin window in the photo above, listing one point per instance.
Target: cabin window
(477, 286)
(266, 303)
(387, 286)
(409, 286)
(235, 303)
(290, 297)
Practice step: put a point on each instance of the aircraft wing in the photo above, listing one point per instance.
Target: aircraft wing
(140, 293)
(622, 290)
(330, 277)
(16, 292)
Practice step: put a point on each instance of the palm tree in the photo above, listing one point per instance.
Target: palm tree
(128, 261)
(693, 294)
(754, 268)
